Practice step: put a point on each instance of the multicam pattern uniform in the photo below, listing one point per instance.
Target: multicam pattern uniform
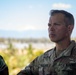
(49, 64)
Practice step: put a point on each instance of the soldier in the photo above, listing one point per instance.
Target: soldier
(3, 67)
(61, 60)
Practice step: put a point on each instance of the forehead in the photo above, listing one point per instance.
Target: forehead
(57, 17)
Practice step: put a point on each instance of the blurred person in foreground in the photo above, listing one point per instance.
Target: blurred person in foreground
(61, 60)
(3, 67)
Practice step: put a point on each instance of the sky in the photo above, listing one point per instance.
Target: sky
(28, 16)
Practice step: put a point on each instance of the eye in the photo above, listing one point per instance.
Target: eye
(49, 24)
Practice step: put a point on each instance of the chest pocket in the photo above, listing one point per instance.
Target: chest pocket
(59, 68)
(44, 69)
(67, 67)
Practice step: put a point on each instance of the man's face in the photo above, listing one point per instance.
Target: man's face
(57, 28)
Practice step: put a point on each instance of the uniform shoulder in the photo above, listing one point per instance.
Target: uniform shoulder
(74, 49)
(48, 53)
(74, 45)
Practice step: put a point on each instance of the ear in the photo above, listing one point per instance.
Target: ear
(70, 28)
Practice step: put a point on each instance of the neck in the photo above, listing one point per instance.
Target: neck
(62, 45)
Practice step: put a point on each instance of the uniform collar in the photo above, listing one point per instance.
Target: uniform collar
(66, 52)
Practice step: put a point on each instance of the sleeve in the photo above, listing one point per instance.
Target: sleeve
(26, 71)
(3, 67)
(31, 69)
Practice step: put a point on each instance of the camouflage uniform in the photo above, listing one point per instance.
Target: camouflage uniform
(49, 64)
(3, 67)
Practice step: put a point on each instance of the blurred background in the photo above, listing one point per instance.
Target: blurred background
(24, 29)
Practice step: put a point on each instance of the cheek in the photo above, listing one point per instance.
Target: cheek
(62, 32)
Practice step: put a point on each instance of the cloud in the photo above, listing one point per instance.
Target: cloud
(61, 6)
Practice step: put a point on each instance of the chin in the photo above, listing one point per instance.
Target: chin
(53, 40)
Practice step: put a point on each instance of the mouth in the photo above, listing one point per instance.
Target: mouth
(52, 35)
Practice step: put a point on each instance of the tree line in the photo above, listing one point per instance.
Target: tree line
(25, 40)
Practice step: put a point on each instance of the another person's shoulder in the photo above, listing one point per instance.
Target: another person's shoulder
(2, 62)
(3, 67)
